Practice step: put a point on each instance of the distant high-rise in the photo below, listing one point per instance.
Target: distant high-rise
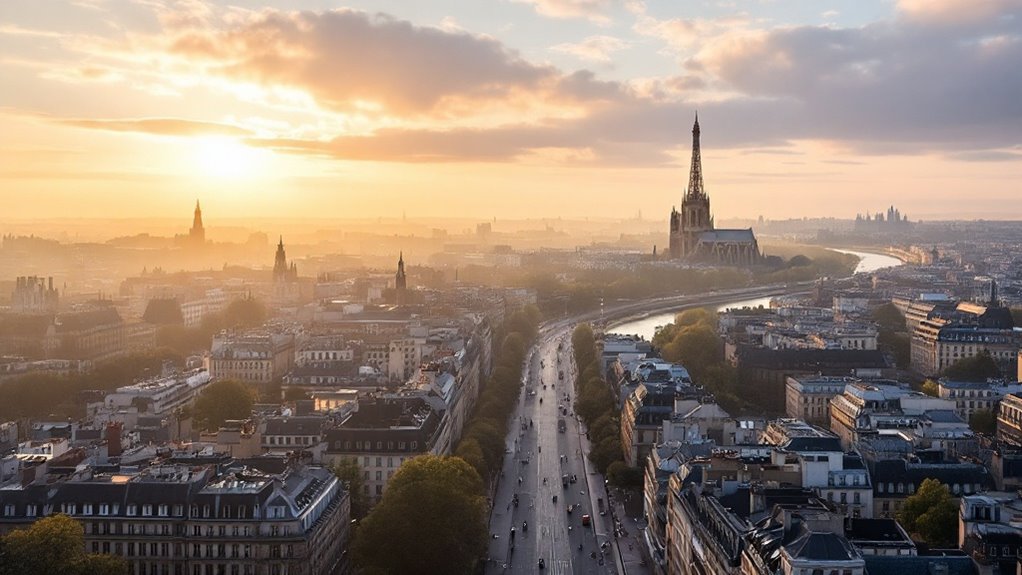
(197, 235)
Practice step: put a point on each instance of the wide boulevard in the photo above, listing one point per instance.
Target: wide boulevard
(538, 457)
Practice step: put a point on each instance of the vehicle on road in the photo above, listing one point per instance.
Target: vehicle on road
(542, 563)
(564, 481)
(560, 375)
(561, 425)
(586, 520)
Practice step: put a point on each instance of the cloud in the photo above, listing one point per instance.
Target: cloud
(959, 11)
(156, 126)
(889, 87)
(594, 48)
(349, 60)
(592, 10)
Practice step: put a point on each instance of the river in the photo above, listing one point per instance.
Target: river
(646, 327)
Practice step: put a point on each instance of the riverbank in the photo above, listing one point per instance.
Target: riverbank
(645, 326)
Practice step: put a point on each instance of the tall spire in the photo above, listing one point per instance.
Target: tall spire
(695, 177)
(197, 234)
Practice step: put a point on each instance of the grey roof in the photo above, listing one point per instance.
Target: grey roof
(729, 236)
(822, 547)
(942, 416)
(918, 564)
(804, 444)
(294, 425)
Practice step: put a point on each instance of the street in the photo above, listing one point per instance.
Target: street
(538, 458)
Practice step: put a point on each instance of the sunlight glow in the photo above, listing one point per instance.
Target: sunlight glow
(226, 158)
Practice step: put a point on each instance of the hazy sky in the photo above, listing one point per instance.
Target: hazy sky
(516, 108)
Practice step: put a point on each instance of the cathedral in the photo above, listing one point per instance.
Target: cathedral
(693, 237)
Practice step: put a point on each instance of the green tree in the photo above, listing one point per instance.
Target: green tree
(348, 471)
(931, 514)
(888, 317)
(620, 475)
(221, 401)
(54, 544)
(930, 388)
(696, 347)
(432, 519)
(244, 312)
(979, 367)
(983, 421)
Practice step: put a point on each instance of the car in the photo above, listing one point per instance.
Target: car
(586, 520)
(542, 563)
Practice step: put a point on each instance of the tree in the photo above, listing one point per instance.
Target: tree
(799, 261)
(983, 421)
(54, 544)
(979, 367)
(349, 472)
(931, 514)
(696, 347)
(620, 475)
(221, 401)
(432, 519)
(888, 317)
(930, 388)
(245, 312)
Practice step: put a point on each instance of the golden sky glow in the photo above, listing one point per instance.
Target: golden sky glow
(526, 108)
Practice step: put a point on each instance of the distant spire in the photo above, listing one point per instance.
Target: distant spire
(993, 293)
(280, 244)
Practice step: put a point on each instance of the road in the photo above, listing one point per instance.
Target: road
(538, 456)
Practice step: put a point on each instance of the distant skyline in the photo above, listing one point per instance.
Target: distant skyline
(509, 108)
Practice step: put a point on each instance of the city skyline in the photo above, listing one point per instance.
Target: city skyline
(366, 109)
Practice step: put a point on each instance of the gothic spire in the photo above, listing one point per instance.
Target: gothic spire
(695, 177)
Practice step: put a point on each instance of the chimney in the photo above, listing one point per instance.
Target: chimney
(113, 439)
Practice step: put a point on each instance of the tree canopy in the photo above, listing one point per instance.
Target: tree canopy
(931, 514)
(432, 519)
(348, 471)
(54, 544)
(221, 401)
(979, 367)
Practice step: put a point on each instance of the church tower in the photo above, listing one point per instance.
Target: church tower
(400, 281)
(197, 235)
(280, 269)
(694, 217)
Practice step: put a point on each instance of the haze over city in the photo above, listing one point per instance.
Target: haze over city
(520, 109)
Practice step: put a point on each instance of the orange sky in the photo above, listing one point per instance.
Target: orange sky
(529, 108)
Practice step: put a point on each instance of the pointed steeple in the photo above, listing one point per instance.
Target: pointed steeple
(695, 176)
(400, 279)
(197, 234)
(280, 267)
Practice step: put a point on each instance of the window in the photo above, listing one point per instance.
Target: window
(147, 510)
(87, 509)
(163, 510)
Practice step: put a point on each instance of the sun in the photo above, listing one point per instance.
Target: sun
(226, 158)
